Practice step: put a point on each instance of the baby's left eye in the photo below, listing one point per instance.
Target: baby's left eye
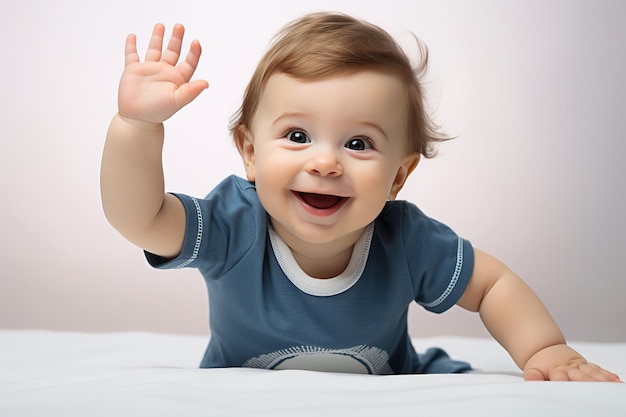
(359, 144)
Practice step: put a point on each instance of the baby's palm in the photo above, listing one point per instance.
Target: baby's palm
(152, 91)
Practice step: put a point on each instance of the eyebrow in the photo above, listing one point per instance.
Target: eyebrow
(377, 127)
(289, 115)
(372, 125)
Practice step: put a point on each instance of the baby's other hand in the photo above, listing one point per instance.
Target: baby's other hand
(562, 363)
(153, 90)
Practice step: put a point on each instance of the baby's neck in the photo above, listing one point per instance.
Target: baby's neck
(320, 260)
(324, 267)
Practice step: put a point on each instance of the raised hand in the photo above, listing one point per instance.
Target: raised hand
(150, 92)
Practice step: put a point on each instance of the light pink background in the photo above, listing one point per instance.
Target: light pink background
(534, 91)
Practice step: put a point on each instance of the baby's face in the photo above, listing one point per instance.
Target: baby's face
(325, 154)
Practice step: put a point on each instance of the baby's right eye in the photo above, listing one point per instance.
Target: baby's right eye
(297, 136)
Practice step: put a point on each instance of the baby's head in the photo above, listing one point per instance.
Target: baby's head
(331, 125)
(324, 45)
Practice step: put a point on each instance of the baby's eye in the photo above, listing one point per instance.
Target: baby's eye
(359, 144)
(297, 136)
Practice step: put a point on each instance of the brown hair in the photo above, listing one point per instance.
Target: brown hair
(322, 45)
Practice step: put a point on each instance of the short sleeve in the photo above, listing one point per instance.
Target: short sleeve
(220, 229)
(446, 276)
(440, 263)
(193, 240)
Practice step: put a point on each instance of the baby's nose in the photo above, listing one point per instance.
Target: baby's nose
(324, 162)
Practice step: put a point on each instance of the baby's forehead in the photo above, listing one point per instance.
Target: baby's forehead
(366, 97)
(375, 86)
(384, 83)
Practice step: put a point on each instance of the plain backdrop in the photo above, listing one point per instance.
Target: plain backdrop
(533, 91)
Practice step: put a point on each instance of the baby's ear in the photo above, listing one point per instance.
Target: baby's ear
(245, 146)
(404, 170)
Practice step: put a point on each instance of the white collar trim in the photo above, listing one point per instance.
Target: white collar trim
(323, 287)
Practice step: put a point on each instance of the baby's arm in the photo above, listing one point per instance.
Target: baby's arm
(131, 177)
(517, 319)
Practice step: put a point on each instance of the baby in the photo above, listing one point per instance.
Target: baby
(310, 263)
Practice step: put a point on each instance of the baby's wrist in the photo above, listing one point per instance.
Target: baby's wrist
(557, 350)
(140, 124)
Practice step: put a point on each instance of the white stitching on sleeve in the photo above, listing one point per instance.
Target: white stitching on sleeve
(196, 248)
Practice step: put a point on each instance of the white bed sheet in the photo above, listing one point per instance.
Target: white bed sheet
(44, 373)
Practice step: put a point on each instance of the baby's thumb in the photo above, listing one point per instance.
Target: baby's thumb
(533, 374)
(187, 92)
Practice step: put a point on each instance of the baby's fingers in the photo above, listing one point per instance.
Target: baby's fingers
(130, 51)
(592, 372)
(172, 53)
(156, 43)
(189, 65)
(586, 372)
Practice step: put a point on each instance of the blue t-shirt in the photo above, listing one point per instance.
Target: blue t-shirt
(266, 312)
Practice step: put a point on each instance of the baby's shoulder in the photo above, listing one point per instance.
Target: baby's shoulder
(401, 211)
(402, 218)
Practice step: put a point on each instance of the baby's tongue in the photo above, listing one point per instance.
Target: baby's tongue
(320, 201)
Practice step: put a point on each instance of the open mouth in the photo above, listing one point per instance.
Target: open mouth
(321, 201)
